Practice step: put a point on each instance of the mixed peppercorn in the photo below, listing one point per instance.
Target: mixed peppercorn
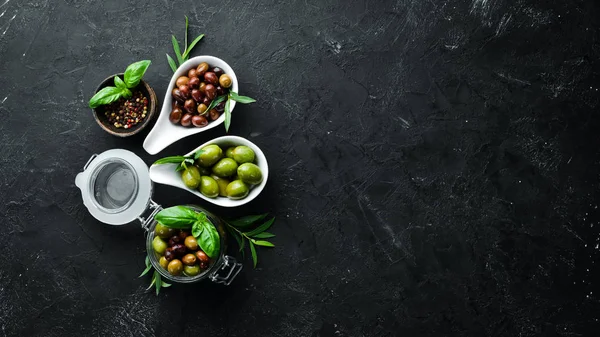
(126, 113)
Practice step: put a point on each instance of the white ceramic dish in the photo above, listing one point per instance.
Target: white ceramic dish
(165, 133)
(166, 174)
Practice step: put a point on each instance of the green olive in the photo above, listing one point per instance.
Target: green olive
(159, 245)
(175, 267)
(191, 177)
(237, 189)
(226, 167)
(243, 154)
(163, 262)
(163, 231)
(229, 152)
(209, 187)
(222, 182)
(250, 173)
(204, 171)
(191, 270)
(210, 155)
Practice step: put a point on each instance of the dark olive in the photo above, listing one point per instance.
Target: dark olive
(218, 71)
(202, 86)
(185, 91)
(194, 82)
(213, 114)
(206, 101)
(190, 106)
(186, 120)
(197, 95)
(220, 107)
(192, 73)
(202, 257)
(210, 91)
(183, 234)
(175, 267)
(224, 81)
(169, 254)
(202, 108)
(179, 249)
(191, 243)
(176, 93)
(203, 265)
(199, 121)
(211, 78)
(182, 80)
(175, 239)
(163, 262)
(175, 115)
(189, 259)
(220, 90)
(202, 69)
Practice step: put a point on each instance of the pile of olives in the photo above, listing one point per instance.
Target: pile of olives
(194, 93)
(228, 173)
(178, 251)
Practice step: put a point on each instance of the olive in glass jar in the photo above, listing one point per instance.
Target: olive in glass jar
(182, 80)
(192, 73)
(202, 257)
(213, 114)
(174, 240)
(218, 71)
(186, 120)
(169, 254)
(179, 249)
(163, 262)
(197, 95)
(191, 243)
(202, 69)
(191, 270)
(183, 234)
(159, 245)
(199, 121)
(203, 265)
(211, 78)
(225, 81)
(163, 231)
(175, 115)
(210, 91)
(176, 93)
(190, 106)
(194, 82)
(189, 259)
(175, 267)
(202, 108)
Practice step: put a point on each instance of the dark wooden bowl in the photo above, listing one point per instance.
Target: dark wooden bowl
(146, 90)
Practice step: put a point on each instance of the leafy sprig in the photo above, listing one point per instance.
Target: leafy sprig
(240, 230)
(183, 161)
(232, 96)
(157, 281)
(132, 77)
(182, 57)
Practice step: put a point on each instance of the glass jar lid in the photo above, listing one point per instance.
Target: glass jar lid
(115, 186)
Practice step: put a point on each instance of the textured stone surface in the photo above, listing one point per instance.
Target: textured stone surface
(434, 168)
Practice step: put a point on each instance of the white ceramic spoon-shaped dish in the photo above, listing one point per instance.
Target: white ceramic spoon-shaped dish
(165, 133)
(166, 174)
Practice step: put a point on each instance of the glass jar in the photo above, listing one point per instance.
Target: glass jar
(116, 189)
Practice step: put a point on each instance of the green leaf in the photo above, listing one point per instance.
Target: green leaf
(186, 54)
(165, 284)
(186, 33)
(248, 220)
(253, 251)
(135, 72)
(215, 102)
(147, 261)
(145, 271)
(264, 235)
(176, 49)
(178, 217)
(197, 154)
(119, 83)
(241, 99)
(209, 241)
(158, 282)
(172, 63)
(263, 243)
(105, 96)
(153, 281)
(170, 160)
(181, 167)
(126, 93)
(261, 228)
(227, 115)
(237, 237)
(197, 228)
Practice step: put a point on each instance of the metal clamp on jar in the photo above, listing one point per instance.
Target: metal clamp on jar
(116, 189)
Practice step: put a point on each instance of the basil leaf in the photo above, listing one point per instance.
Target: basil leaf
(246, 221)
(227, 115)
(135, 72)
(172, 63)
(209, 241)
(241, 99)
(197, 154)
(263, 243)
(119, 83)
(197, 228)
(126, 93)
(264, 235)
(105, 96)
(158, 282)
(189, 49)
(170, 160)
(253, 251)
(260, 228)
(176, 217)
(176, 49)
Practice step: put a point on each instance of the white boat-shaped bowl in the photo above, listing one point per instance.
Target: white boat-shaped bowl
(165, 133)
(166, 174)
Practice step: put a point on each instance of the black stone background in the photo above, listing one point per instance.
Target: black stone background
(434, 168)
